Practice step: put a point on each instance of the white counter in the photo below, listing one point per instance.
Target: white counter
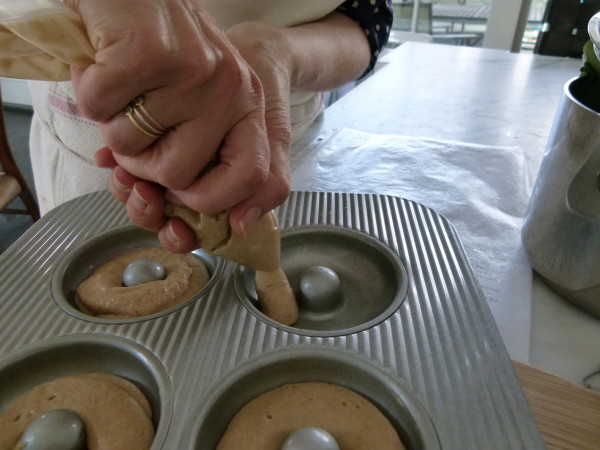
(484, 97)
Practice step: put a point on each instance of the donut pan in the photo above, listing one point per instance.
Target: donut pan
(372, 280)
(78, 264)
(424, 348)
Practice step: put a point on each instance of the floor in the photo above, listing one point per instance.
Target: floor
(18, 121)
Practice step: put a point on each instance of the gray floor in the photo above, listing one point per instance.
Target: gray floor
(18, 121)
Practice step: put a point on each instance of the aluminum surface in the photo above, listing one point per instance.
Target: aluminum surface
(561, 228)
(373, 280)
(442, 341)
(87, 353)
(395, 400)
(83, 258)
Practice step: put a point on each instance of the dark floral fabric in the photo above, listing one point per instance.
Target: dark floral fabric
(375, 18)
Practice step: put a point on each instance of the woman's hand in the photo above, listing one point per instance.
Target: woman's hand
(215, 153)
(145, 200)
(315, 56)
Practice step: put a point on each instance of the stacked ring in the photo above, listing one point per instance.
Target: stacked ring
(142, 120)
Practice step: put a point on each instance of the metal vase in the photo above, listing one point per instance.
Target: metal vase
(561, 230)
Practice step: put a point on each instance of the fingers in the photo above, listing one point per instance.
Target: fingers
(141, 55)
(104, 158)
(145, 206)
(133, 130)
(123, 54)
(179, 157)
(272, 194)
(208, 110)
(166, 53)
(121, 183)
(242, 168)
(244, 215)
(177, 237)
(247, 204)
(171, 54)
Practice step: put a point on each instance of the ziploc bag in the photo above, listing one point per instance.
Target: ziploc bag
(40, 39)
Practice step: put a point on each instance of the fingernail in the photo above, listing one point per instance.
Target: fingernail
(250, 218)
(136, 200)
(171, 236)
(118, 183)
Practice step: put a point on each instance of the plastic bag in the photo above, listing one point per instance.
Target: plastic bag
(41, 39)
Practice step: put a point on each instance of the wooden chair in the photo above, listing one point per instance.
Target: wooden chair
(12, 181)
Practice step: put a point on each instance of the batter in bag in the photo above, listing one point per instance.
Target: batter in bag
(258, 250)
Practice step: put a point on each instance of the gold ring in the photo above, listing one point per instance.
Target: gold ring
(142, 120)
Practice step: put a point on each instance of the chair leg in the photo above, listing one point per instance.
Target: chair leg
(9, 165)
(30, 202)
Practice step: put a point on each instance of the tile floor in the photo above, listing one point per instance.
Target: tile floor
(18, 121)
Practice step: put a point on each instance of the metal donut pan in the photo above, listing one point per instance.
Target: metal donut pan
(434, 341)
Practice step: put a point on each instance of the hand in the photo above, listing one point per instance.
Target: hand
(195, 84)
(265, 49)
(145, 203)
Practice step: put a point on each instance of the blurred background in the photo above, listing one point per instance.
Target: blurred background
(549, 27)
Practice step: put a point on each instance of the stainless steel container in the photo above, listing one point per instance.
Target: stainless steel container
(561, 230)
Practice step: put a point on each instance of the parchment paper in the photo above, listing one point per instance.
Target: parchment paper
(482, 190)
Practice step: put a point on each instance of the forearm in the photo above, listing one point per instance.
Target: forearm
(326, 54)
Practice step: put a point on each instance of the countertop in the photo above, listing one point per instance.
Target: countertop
(485, 97)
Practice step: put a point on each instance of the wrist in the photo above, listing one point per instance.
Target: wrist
(265, 48)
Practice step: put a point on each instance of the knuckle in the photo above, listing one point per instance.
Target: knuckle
(172, 181)
(112, 141)
(168, 171)
(175, 177)
(196, 72)
(280, 129)
(90, 104)
(235, 79)
(257, 174)
(281, 191)
(139, 218)
(120, 143)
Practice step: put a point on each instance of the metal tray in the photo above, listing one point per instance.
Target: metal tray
(438, 346)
